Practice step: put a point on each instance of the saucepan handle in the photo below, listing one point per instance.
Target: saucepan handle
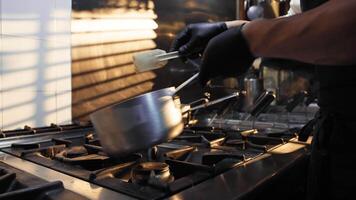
(207, 104)
(196, 64)
(185, 83)
(198, 102)
(262, 102)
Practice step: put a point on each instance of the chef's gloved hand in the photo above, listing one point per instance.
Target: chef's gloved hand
(226, 55)
(194, 38)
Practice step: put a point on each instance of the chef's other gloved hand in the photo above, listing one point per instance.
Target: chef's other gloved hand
(226, 55)
(194, 38)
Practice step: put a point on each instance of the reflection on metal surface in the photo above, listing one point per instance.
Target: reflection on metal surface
(238, 182)
(84, 188)
(309, 140)
(287, 148)
(176, 197)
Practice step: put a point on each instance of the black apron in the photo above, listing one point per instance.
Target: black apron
(332, 169)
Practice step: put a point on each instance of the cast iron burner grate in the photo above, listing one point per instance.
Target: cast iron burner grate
(17, 184)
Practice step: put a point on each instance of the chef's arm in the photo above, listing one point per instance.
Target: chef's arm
(325, 35)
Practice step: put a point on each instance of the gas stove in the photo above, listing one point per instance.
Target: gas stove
(17, 184)
(200, 157)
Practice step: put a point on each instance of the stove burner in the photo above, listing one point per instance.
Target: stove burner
(151, 173)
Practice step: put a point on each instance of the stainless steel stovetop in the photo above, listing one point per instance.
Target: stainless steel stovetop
(203, 162)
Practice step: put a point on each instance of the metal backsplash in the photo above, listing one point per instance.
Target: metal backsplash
(105, 34)
(287, 78)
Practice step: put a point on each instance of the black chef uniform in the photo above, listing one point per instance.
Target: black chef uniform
(332, 172)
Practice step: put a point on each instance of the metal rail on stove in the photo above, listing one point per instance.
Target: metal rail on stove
(84, 188)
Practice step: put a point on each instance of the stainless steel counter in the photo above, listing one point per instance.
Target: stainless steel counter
(247, 179)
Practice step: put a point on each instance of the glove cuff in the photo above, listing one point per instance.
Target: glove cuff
(230, 51)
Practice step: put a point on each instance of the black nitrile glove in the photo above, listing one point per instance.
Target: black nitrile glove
(226, 55)
(194, 38)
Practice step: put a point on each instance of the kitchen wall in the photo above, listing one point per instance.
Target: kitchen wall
(35, 70)
(106, 33)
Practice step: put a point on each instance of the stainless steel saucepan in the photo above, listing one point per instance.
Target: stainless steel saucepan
(143, 121)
